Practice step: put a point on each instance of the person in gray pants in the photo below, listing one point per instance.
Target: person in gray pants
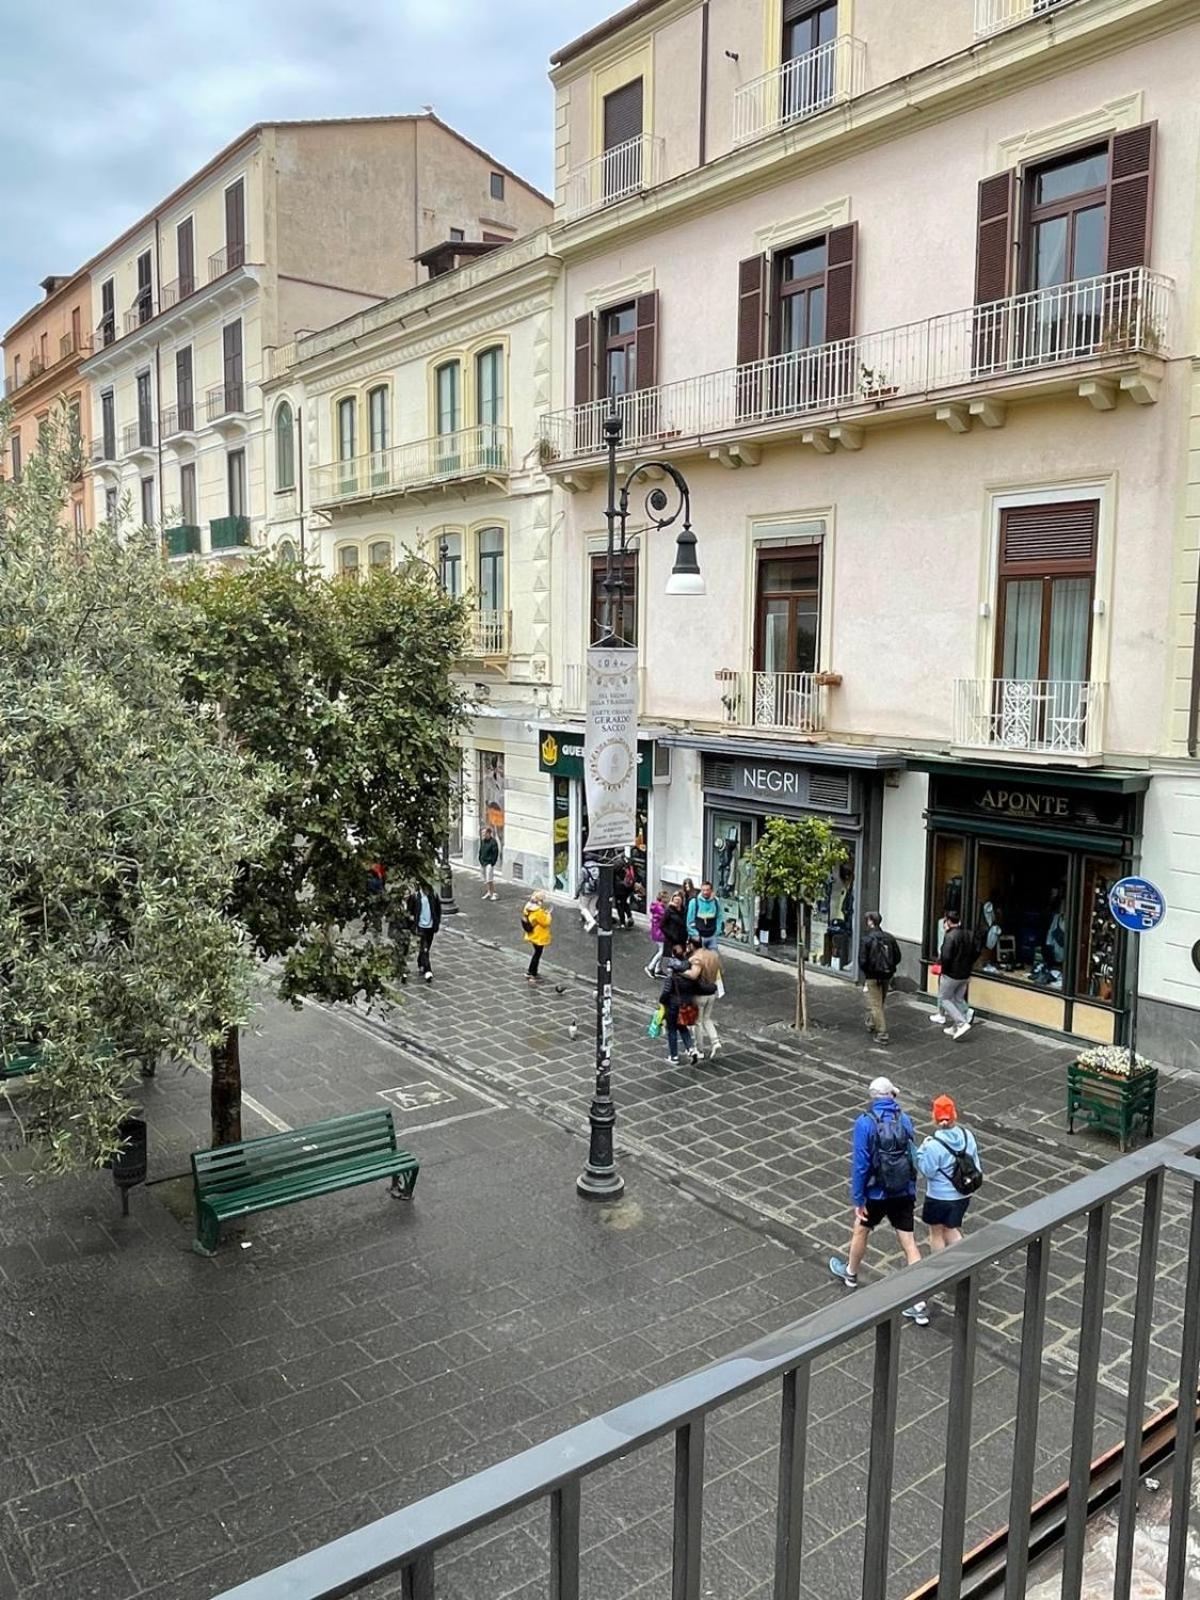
(958, 955)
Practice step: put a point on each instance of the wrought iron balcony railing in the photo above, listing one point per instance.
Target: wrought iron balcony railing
(785, 702)
(800, 88)
(228, 533)
(488, 635)
(624, 170)
(1110, 318)
(993, 16)
(137, 436)
(225, 399)
(178, 289)
(1038, 715)
(469, 453)
(226, 260)
(141, 312)
(179, 418)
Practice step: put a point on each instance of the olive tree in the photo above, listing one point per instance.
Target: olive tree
(797, 858)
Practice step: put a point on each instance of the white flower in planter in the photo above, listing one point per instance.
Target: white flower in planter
(1112, 1060)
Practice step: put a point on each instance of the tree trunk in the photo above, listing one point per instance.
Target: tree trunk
(801, 991)
(227, 1090)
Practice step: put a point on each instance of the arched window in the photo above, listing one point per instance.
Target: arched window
(489, 405)
(347, 563)
(285, 447)
(285, 553)
(379, 556)
(449, 562)
(490, 552)
(449, 417)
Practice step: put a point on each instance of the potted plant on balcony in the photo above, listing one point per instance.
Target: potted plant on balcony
(730, 698)
(1112, 1088)
(827, 680)
(547, 452)
(874, 385)
(1126, 330)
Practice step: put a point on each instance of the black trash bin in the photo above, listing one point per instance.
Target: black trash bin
(130, 1162)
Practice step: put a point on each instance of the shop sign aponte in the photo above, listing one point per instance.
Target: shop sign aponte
(560, 754)
(1016, 799)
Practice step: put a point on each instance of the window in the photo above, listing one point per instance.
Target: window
(1020, 901)
(285, 447)
(185, 258)
(489, 405)
(235, 225)
(14, 445)
(624, 605)
(235, 472)
(490, 547)
(618, 351)
(144, 302)
(110, 505)
(497, 186)
(285, 553)
(16, 378)
(457, 236)
(108, 424)
(347, 563)
(800, 297)
(347, 420)
(1067, 213)
(43, 430)
(76, 329)
(145, 410)
(1047, 569)
(232, 357)
(148, 502)
(621, 169)
(187, 494)
(77, 515)
(809, 32)
(449, 416)
(377, 419)
(108, 315)
(185, 404)
(788, 604)
(75, 434)
(450, 563)
(44, 350)
(379, 556)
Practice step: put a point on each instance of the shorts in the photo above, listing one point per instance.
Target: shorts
(897, 1208)
(945, 1213)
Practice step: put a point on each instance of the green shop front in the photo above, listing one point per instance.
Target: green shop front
(1026, 859)
(560, 758)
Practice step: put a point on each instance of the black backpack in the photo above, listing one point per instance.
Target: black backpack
(964, 1173)
(881, 956)
(526, 925)
(891, 1156)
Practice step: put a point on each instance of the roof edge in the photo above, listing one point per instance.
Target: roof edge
(604, 30)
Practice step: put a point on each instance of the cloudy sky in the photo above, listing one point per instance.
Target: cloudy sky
(103, 110)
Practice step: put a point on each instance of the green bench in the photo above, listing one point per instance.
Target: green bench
(18, 1062)
(237, 1179)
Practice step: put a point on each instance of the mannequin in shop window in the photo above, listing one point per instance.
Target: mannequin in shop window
(743, 890)
(998, 955)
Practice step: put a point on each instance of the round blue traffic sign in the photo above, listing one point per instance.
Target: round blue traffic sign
(1137, 904)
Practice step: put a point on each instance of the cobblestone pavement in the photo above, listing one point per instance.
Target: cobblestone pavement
(170, 1425)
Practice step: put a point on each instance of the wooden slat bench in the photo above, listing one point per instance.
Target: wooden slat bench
(237, 1179)
(18, 1062)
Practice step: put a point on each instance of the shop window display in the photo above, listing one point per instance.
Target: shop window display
(733, 875)
(1099, 933)
(562, 835)
(1021, 898)
(770, 922)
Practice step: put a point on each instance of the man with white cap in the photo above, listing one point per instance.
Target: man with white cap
(883, 1184)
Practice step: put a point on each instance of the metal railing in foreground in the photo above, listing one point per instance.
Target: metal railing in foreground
(409, 1542)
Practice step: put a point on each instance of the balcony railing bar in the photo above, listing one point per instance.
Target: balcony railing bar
(470, 452)
(800, 88)
(624, 170)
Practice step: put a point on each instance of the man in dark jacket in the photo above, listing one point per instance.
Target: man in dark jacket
(958, 955)
(425, 918)
(878, 959)
(489, 854)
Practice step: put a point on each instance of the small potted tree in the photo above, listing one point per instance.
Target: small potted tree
(797, 859)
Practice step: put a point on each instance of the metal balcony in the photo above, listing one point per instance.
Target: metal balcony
(800, 88)
(103, 452)
(1106, 322)
(178, 289)
(141, 312)
(781, 702)
(1037, 716)
(479, 452)
(183, 540)
(993, 16)
(624, 170)
(229, 533)
(225, 400)
(137, 437)
(179, 419)
(488, 635)
(227, 259)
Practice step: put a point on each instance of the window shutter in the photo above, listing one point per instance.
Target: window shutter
(623, 114)
(584, 358)
(1130, 195)
(841, 275)
(996, 232)
(752, 305)
(646, 348)
(1034, 537)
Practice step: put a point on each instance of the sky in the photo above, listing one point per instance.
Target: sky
(105, 110)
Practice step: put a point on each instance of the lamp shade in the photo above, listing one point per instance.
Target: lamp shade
(686, 577)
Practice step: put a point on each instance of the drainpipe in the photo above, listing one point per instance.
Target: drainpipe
(300, 475)
(1193, 738)
(704, 84)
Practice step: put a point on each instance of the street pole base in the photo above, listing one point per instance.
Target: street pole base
(600, 1185)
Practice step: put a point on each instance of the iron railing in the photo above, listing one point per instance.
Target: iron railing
(799, 88)
(791, 702)
(992, 16)
(555, 1473)
(488, 634)
(1109, 318)
(137, 436)
(468, 453)
(104, 450)
(225, 399)
(178, 289)
(179, 418)
(226, 260)
(106, 330)
(1040, 715)
(624, 170)
(143, 310)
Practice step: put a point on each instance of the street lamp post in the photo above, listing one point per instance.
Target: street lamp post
(446, 888)
(600, 1179)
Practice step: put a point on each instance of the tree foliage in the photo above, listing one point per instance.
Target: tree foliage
(125, 812)
(345, 692)
(796, 858)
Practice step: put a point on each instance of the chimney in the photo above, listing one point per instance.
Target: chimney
(54, 282)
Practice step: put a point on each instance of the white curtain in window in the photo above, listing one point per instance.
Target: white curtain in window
(1070, 605)
(1022, 628)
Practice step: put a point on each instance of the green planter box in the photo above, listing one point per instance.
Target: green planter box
(183, 540)
(227, 533)
(1111, 1104)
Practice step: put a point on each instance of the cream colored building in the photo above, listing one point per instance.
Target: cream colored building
(419, 427)
(908, 291)
(293, 226)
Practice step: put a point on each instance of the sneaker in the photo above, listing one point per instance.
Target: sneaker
(650, 972)
(429, 977)
(883, 1038)
(694, 1057)
(672, 1061)
(957, 1033)
(970, 1013)
(839, 1269)
(918, 1314)
(936, 1016)
(715, 1048)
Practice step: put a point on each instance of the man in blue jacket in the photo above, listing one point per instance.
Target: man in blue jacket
(883, 1185)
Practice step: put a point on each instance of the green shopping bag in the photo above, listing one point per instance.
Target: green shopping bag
(655, 1026)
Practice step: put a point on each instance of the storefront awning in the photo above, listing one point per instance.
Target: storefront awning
(1062, 778)
(810, 755)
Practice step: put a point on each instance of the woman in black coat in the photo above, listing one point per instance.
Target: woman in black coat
(674, 923)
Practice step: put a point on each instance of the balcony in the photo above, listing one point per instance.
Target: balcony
(993, 16)
(229, 533)
(777, 702)
(624, 170)
(178, 289)
(973, 360)
(225, 409)
(69, 346)
(183, 540)
(103, 452)
(141, 312)
(137, 439)
(1036, 716)
(106, 332)
(799, 89)
(226, 260)
(482, 452)
(178, 421)
(488, 636)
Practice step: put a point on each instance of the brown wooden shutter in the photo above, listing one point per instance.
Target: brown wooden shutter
(646, 348)
(753, 276)
(623, 114)
(585, 364)
(841, 275)
(996, 233)
(1040, 538)
(1130, 197)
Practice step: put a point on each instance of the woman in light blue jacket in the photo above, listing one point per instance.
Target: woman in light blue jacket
(945, 1206)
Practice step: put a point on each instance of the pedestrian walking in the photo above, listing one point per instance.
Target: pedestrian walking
(882, 1185)
(704, 971)
(957, 957)
(535, 925)
(674, 924)
(677, 997)
(949, 1162)
(586, 894)
(878, 960)
(624, 881)
(657, 911)
(703, 916)
(489, 855)
(425, 918)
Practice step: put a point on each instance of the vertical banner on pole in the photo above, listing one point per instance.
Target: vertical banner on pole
(610, 748)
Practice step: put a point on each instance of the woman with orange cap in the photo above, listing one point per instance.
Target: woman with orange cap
(949, 1162)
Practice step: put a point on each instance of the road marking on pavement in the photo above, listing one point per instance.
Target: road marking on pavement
(256, 1106)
